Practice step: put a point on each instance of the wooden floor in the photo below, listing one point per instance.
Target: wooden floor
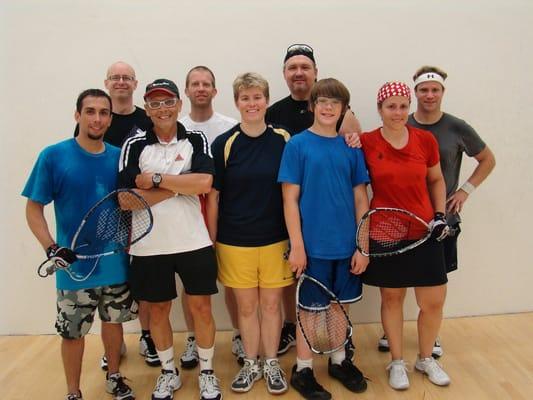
(487, 358)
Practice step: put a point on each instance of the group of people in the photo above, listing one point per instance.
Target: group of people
(253, 203)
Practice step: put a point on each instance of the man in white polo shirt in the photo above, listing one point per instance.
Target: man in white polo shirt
(170, 167)
(200, 89)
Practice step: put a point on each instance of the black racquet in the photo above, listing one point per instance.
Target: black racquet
(390, 231)
(112, 225)
(323, 320)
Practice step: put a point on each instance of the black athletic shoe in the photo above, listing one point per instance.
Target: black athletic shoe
(116, 386)
(287, 338)
(383, 344)
(304, 382)
(348, 374)
(350, 349)
(147, 349)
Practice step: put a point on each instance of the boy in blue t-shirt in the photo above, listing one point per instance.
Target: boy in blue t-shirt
(324, 193)
(75, 174)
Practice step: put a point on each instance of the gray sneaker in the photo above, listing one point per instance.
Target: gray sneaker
(116, 386)
(237, 348)
(189, 357)
(274, 377)
(247, 376)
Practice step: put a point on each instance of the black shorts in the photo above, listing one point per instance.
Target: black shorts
(152, 278)
(450, 249)
(422, 266)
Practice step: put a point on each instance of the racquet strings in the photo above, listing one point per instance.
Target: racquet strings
(324, 324)
(113, 225)
(388, 231)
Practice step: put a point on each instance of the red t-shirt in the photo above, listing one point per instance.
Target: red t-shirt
(398, 177)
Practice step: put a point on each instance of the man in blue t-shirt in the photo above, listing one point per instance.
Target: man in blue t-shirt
(75, 174)
(324, 194)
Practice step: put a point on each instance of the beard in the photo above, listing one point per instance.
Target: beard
(95, 137)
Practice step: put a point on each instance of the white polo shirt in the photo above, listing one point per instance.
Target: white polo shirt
(213, 127)
(178, 222)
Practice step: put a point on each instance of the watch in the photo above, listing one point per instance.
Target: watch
(156, 179)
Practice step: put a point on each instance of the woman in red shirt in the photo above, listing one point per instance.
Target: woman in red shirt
(404, 168)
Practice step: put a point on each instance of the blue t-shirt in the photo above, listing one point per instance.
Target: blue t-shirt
(326, 170)
(75, 180)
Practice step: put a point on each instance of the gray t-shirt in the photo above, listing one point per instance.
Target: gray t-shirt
(455, 137)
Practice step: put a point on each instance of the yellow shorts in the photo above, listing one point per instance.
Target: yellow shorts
(248, 267)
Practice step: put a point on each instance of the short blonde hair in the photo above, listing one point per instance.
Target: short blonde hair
(250, 80)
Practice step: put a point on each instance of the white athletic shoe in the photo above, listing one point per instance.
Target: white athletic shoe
(167, 383)
(398, 375)
(433, 370)
(209, 386)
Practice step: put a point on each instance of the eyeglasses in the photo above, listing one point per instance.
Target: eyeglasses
(300, 47)
(328, 101)
(125, 78)
(154, 105)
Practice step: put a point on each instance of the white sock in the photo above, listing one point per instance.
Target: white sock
(206, 358)
(268, 361)
(252, 361)
(338, 357)
(236, 333)
(167, 359)
(301, 364)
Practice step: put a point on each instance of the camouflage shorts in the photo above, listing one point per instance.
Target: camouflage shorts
(76, 308)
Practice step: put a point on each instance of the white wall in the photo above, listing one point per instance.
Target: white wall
(51, 50)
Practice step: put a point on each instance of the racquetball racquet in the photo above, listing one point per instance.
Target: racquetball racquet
(390, 231)
(112, 225)
(322, 318)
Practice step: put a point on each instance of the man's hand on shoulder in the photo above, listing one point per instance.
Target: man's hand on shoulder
(352, 140)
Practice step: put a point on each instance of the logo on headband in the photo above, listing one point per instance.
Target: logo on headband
(429, 77)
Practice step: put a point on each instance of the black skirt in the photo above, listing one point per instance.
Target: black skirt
(421, 266)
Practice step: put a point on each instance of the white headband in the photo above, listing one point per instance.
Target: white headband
(429, 77)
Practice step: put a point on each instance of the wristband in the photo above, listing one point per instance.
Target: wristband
(468, 188)
(50, 251)
(439, 217)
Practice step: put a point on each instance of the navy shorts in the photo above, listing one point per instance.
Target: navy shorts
(153, 278)
(336, 276)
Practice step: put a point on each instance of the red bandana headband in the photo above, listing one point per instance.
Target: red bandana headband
(393, 89)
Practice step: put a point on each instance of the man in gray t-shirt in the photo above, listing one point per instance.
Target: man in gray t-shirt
(455, 137)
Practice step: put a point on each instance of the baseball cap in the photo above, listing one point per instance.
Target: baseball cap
(162, 85)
